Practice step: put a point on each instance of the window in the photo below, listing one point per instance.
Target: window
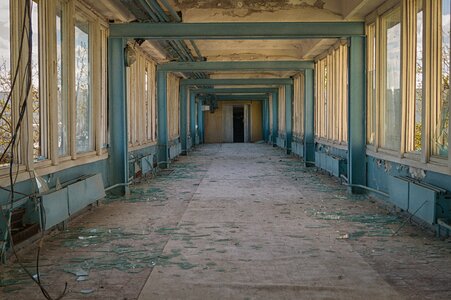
(5, 84)
(412, 85)
(64, 68)
(371, 87)
(141, 99)
(298, 105)
(83, 102)
(331, 95)
(173, 84)
(418, 110)
(281, 110)
(440, 134)
(39, 134)
(63, 113)
(391, 100)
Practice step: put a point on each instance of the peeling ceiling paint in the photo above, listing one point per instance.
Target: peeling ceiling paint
(246, 11)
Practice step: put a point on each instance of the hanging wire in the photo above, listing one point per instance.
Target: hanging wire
(26, 32)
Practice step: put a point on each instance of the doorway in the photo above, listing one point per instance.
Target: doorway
(238, 124)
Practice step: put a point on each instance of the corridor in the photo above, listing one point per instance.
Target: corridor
(238, 221)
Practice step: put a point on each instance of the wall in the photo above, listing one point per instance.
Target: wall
(215, 123)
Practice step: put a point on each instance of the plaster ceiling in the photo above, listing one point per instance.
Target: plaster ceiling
(247, 11)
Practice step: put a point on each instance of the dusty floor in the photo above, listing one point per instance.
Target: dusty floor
(238, 221)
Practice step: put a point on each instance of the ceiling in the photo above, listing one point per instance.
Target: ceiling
(200, 11)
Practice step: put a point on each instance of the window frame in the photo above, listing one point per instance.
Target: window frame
(48, 87)
(431, 62)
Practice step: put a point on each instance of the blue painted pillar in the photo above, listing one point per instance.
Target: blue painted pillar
(200, 121)
(163, 157)
(117, 114)
(183, 117)
(356, 114)
(192, 113)
(265, 119)
(275, 118)
(309, 115)
(288, 116)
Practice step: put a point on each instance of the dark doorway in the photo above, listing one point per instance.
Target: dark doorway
(238, 124)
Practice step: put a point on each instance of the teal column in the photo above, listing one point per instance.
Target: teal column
(117, 114)
(192, 113)
(356, 114)
(309, 115)
(163, 155)
(200, 121)
(288, 116)
(183, 118)
(265, 119)
(275, 118)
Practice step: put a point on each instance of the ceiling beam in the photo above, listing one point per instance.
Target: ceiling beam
(234, 90)
(237, 31)
(254, 97)
(203, 66)
(244, 81)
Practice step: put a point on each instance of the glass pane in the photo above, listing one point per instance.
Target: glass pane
(63, 148)
(391, 116)
(419, 80)
(38, 153)
(83, 103)
(5, 83)
(371, 109)
(441, 130)
(147, 105)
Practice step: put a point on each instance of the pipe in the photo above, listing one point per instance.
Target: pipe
(363, 187)
(199, 55)
(171, 11)
(147, 8)
(117, 185)
(157, 9)
(367, 188)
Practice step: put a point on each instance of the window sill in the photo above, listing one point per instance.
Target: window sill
(335, 144)
(143, 146)
(45, 169)
(433, 166)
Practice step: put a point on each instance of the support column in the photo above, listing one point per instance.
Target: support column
(183, 117)
(309, 118)
(265, 119)
(356, 114)
(192, 112)
(118, 151)
(200, 121)
(288, 116)
(275, 118)
(163, 157)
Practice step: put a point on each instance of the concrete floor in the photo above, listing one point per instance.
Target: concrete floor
(238, 221)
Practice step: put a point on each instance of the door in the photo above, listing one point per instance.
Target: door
(238, 124)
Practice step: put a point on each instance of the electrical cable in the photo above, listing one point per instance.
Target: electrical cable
(27, 80)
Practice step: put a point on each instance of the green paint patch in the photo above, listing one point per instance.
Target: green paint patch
(185, 265)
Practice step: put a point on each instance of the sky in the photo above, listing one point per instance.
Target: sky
(4, 30)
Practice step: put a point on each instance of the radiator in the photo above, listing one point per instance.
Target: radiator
(58, 206)
(398, 189)
(425, 201)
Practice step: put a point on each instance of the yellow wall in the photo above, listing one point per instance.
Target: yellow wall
(214, 122)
